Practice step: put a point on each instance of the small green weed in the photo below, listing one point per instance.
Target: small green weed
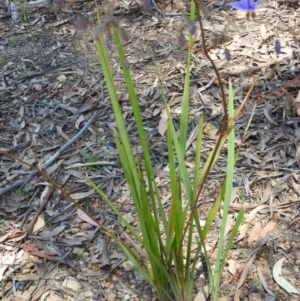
(23, 194)
(24, 11)
(90, 158)
(25, 70)
(13, 42)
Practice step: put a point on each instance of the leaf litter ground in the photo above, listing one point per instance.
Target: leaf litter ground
(51, 86)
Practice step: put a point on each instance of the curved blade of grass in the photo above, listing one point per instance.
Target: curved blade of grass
(234, 231)
(176, 215)
(136, 112)
(214, 210)
(198, 155)
(228, 190)
(175, 199)
(186, 91)
(153, 197)
(107, 72)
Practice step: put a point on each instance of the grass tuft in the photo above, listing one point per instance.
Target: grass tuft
(168, 236)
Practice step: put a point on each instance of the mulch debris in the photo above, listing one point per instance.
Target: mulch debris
(52, 90)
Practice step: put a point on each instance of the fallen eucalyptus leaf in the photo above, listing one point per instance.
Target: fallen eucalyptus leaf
(281, 281)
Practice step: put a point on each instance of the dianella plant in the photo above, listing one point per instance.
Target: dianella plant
(168, 235)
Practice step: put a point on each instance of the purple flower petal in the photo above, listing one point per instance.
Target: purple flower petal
(80, 22)
(109, 45)
(114, 22)
(248, 5)
(227, 55)
(277, 47)
(191, 26)
(88, 46)
(147, 5)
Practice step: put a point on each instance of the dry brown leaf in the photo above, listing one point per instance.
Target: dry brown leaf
(78, 121)
(3, 237)
(82, 195)
(68, 108)
(86, 218)
(6, 261)
(27, 277)
(252, 213)
(229, 224)
(295, 220)
(266, 111)
(297, 103)
(202, 89)
(39, 291)
(17, 235)
(49, 170)
(231, 266)
(245, 178)
(211, 130)
(40, 223)
(243, 229)
(264, 282)
(48, 234)
(163, 122)
(248, 266)
(61, 132)
(203, 294)
(257, 233)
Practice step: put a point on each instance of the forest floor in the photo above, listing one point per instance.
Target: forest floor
(51, 85)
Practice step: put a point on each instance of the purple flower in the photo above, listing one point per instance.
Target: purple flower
(277, 47)
(108, 34)
(80, 22)
(147, 5)
(88, 46)
(114, 22)
(109, 45)
(191, 26)
(248, 5)
(227, 55)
